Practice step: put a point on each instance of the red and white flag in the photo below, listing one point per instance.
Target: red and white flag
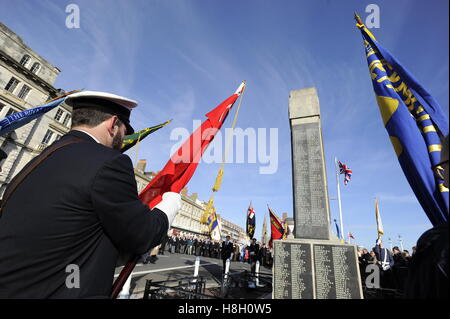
(183, 163)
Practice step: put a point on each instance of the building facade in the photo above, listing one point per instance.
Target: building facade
(26, 81)
(236, 232)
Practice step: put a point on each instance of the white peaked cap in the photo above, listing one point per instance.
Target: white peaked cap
(120, 100)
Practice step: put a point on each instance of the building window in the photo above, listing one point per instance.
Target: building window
(66, 119)
(24, 92)
(35, 68)
(47, 137)
(25, 60)
(57, 137)
(58, 114)
(12, 84)
(2, 106)
(10, 112)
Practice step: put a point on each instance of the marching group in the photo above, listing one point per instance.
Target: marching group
(220, 249)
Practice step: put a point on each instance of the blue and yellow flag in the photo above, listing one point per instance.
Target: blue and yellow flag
(415, 124)
(213, 225)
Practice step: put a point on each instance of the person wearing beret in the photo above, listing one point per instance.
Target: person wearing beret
(63, 227)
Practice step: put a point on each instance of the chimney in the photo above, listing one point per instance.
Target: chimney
(285, 215)
(141, 165)
(184, 192)
(194, 196)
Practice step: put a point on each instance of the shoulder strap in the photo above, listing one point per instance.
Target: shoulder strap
(28, 169)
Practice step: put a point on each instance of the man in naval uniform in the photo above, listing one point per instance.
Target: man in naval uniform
(63, 226)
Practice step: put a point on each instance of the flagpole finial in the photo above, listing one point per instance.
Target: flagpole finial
(358, 18)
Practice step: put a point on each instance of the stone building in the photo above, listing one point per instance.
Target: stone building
(236, 232)
(187, 221)
(26, 81)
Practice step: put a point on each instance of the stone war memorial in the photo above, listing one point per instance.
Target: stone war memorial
(315, 264)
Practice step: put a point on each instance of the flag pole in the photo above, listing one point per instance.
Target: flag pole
(136, 151)
(339, 198)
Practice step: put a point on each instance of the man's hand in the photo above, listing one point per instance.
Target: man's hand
(170, 205)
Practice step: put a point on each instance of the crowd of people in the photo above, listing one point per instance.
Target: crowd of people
(220, 249)
(417, 275)
(393, 265)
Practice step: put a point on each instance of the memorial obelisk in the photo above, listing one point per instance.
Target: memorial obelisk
(314, 265)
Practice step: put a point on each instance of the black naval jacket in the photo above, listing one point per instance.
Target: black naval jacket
(78, 207)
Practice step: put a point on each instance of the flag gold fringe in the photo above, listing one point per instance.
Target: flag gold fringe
(218, 182)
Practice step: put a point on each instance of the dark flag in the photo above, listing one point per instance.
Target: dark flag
(415, 123)
(251, 221)
(19, 119)
(130, 140)
(338, 231)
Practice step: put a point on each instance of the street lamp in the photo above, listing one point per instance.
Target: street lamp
(401, 242)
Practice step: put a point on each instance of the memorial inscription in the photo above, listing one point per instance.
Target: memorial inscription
(336, 271)
(311, 265)
(310, 207)
(293, 271)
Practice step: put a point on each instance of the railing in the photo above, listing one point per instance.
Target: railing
(184, 288)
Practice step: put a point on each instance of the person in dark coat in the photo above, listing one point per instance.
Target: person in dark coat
(227, 250)
(162, 248)
(65, 225)
(177, 244)
(253, 251)
(429, 266)
(194, 246)
(386, 262)
(216, 249)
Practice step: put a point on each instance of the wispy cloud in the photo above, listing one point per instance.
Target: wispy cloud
(398, 199)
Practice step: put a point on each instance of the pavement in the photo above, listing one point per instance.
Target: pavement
(176, 266)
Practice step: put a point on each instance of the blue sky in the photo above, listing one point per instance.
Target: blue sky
(179, 59)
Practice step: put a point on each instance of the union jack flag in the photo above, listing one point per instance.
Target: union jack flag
(344, 169)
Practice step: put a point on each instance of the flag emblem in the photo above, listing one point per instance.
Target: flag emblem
(415, 123)
(344, 169)
(251, 221)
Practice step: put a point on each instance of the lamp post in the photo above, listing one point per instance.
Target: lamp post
(401, 242)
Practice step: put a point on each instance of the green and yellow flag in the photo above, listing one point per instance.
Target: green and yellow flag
(130, 140)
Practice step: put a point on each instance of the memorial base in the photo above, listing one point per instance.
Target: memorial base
(315, 269)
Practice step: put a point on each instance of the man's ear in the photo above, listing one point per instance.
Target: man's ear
(111, 123)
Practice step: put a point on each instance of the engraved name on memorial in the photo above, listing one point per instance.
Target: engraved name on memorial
(293, 276)
(309, 189)
(337, 276)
